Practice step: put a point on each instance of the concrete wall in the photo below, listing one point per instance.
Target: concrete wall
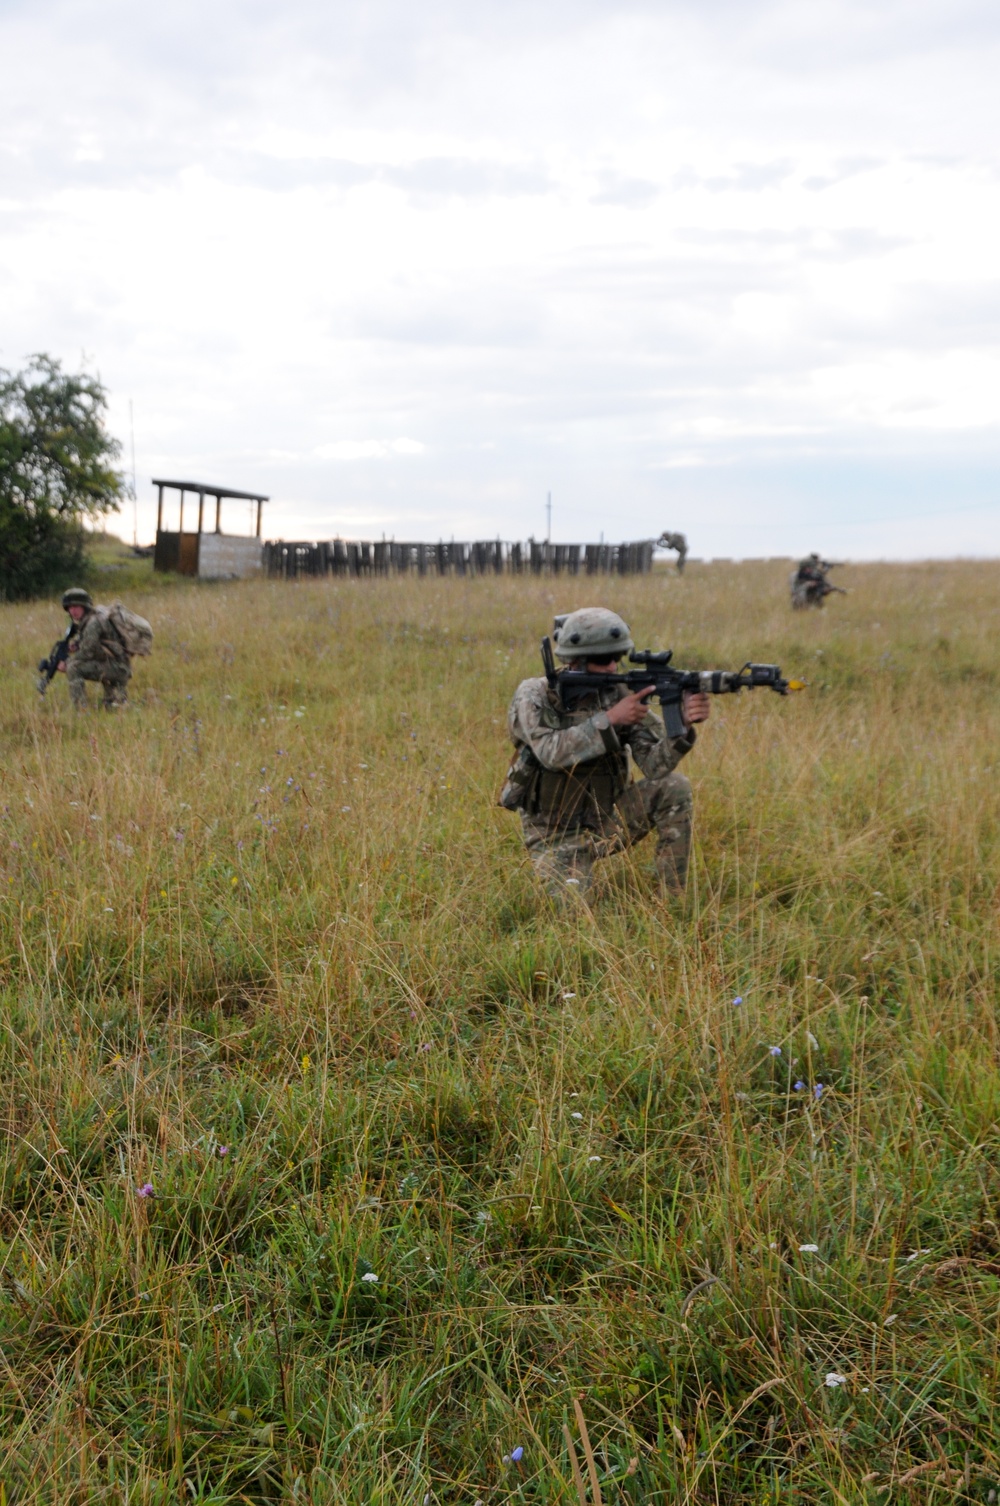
(222, 557)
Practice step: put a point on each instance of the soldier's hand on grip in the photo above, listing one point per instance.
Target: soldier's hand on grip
(696, 706)
(631, 709)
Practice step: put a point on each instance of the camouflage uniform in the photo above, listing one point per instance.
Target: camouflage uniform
(97, 653)
(676, 541)
(579, 804)
(808, 581)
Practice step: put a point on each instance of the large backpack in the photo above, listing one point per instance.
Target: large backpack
(134, 631)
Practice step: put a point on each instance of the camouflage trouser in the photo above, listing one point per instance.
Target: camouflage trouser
(564, 859)
(111, 674)
(805, 594)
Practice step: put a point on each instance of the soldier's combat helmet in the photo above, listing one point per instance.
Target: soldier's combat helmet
(590, 633)
(76, 596)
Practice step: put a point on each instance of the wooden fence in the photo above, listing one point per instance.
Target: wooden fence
(485, 557)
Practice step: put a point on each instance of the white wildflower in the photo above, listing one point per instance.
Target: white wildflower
(834, 1378)
(369, 1276)
(809, 1249)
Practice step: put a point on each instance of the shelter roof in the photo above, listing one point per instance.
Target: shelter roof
(211, 491)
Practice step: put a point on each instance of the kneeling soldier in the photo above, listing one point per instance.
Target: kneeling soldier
(571, 776)
(96, 652)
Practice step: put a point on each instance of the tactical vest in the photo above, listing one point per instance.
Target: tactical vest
(582, 796)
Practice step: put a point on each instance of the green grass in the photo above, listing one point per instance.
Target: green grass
(276, 909)
(112, 568)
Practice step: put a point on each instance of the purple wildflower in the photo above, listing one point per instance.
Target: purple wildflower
(737, 1000)
(517, 1454)
(798, 1087)
(818, 1090)
(774, 1050)
(146, 1190)
(221, 1151)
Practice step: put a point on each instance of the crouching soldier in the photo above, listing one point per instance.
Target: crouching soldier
(571, 776)
(95, 652)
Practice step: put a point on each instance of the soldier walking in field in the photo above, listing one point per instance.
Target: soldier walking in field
(571, 776)
(675, 541)
(95, 651)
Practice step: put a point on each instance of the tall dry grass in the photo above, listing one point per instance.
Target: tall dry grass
(268, 945)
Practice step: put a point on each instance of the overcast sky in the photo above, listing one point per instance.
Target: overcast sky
(724, 267)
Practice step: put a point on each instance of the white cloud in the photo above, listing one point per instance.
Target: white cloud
(368, 449)
(711, 259)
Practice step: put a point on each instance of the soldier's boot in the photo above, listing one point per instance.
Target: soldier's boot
(115, 696)
(78, 693)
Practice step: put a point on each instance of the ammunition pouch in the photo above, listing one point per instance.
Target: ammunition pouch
(521, 776)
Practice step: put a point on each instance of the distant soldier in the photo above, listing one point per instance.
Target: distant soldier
(571, 776)
(675, 541)
(809, 585)
(96, 651)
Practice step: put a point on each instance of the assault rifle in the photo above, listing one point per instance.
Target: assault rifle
(814, 572)
(49, 668)
(665, 682)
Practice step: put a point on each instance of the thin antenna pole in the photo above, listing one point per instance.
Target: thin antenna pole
(548, 519)
(135, 504)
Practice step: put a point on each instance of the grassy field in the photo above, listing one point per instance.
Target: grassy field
(429, 1163)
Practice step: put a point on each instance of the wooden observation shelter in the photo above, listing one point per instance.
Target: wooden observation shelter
(215, 555)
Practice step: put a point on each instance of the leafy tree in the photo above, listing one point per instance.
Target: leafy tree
(57, 467)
